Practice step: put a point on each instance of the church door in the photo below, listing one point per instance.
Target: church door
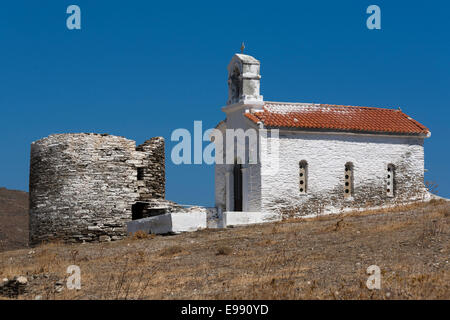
(237, 173)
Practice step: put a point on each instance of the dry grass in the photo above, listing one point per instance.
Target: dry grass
(318, 258)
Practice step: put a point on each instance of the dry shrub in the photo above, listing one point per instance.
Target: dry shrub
(138, 235)
(266, 242)
(334, 225)
(441, 207)
(51, 244)
(339, 225)
(435, 202)
(128, 283)
(170, 251)
(276, 278)
(74, 255)
(432, 229)
(397, 208)
(224, 251)
(431, 186)
(140, 257)
(46, 260)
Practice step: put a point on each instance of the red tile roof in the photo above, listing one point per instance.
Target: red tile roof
(334, 117)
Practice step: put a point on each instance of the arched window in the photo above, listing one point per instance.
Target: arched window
(236, 85)
(303, 175)
(390, 180)
(348, 180)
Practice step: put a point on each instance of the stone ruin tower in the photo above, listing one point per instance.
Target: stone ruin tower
(86, 187)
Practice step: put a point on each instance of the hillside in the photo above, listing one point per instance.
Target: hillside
(13, 219)
(319, 258)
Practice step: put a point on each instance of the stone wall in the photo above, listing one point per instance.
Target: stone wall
(151, 177)
(83, 186)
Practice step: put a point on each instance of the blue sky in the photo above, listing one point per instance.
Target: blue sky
(141, 69)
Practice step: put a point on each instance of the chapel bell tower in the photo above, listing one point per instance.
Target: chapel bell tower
(243, 80)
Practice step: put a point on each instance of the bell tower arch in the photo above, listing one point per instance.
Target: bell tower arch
(244, 80)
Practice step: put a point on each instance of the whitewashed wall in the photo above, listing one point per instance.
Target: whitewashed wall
(327, 155)
(251, 173)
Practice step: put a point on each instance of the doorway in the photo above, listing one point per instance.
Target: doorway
(237, 187)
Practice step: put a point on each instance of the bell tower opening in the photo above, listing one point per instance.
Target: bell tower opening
(243, 80)
(235, 84)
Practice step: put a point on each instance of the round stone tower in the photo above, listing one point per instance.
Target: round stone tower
(82, 187)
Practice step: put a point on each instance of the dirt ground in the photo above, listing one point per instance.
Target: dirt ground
(319, 258)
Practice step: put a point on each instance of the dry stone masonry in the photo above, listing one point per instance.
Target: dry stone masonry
(151, 176)
(83, 186)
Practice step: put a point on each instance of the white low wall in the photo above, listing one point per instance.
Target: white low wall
(174, 222)
(192, 221)
(237, 218)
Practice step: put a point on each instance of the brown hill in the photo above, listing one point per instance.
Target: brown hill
(13, 219)
(318, 258)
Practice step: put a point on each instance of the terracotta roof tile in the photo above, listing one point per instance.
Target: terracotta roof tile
(335, 117)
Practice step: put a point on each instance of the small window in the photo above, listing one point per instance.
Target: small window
(303, 176)
(348, 180)
(390, 180)
(140, 173)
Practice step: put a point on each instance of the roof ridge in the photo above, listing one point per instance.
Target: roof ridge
(327, 104)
